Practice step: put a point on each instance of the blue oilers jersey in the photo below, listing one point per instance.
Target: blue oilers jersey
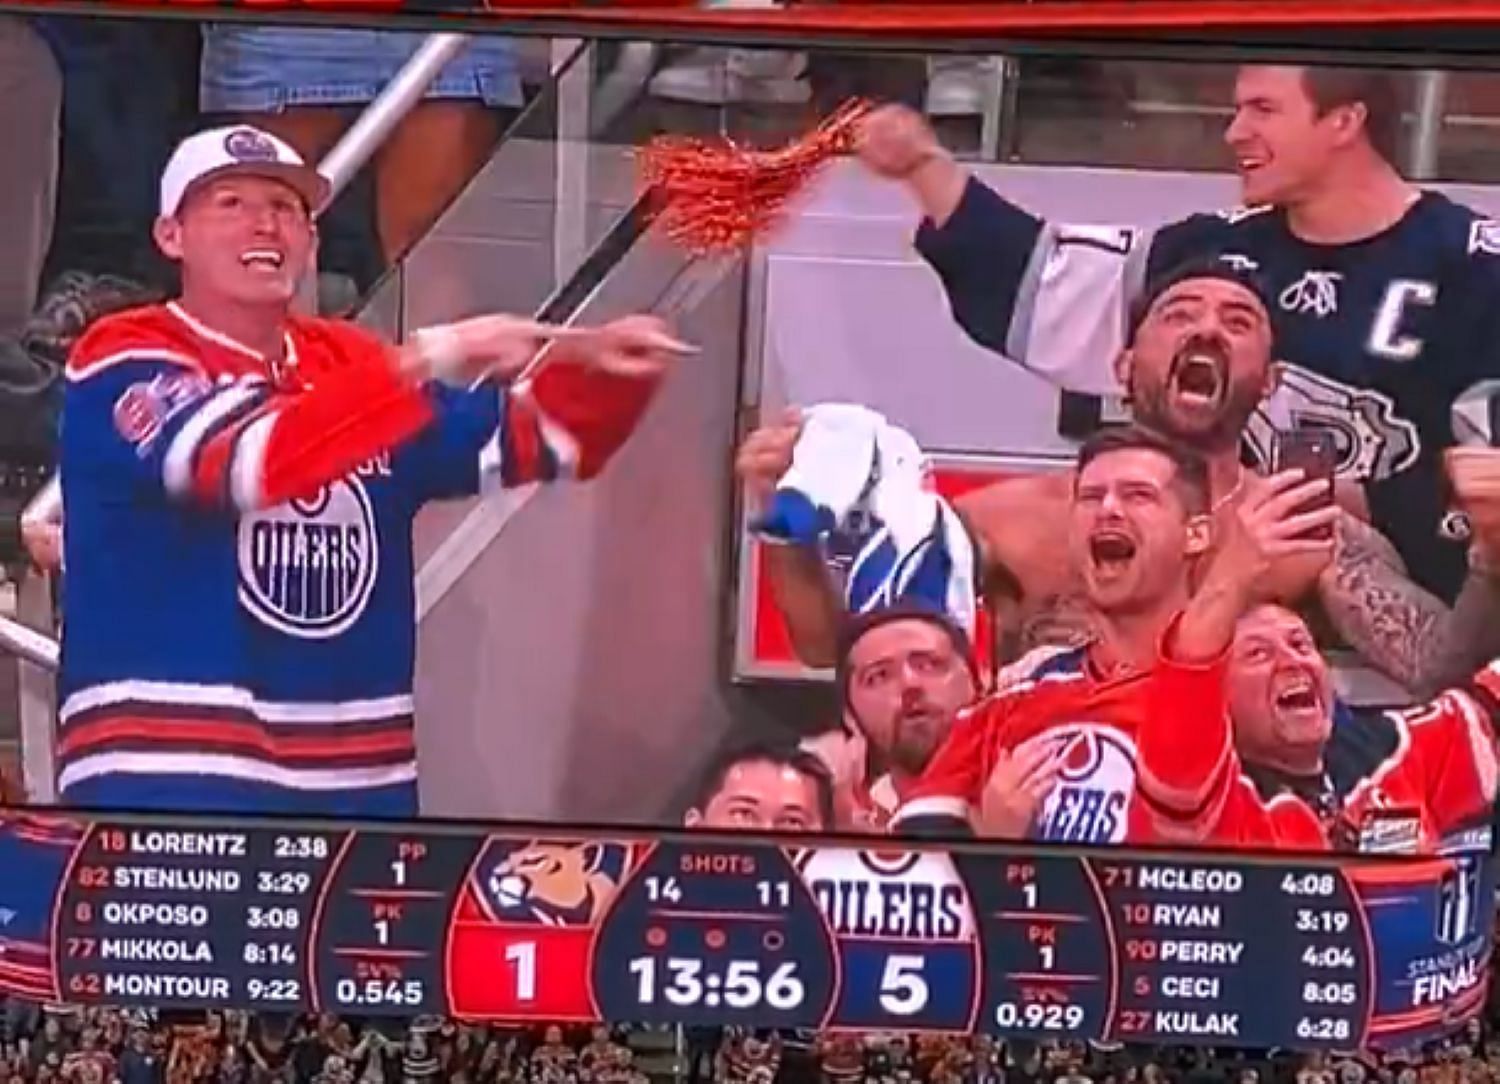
(239, 624)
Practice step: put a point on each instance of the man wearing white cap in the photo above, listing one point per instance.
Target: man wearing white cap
(239, 485)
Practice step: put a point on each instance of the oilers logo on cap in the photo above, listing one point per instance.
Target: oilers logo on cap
(307, 567)
(1090, 803)
(250, 145)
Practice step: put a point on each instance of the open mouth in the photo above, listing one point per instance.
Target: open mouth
(1198, 374)
(1248, 162)
(1111, 551)
(1298, 695)
(262, 259)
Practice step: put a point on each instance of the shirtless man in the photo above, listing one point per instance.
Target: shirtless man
(1200, 359)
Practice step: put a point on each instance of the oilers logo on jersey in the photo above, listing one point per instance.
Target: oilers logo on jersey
(890, 895)
(307, 567)
(1091, 801)
(549, 883)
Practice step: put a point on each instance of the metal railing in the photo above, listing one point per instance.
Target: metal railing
(28, 645)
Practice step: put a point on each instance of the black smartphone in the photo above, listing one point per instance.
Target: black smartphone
(1313, 451)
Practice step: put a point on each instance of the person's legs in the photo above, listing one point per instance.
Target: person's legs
(31, 101)
(119, 128)
(426, 163)
(294, 81)
(311, 130)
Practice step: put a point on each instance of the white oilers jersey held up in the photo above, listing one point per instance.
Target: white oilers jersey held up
(1378, 337)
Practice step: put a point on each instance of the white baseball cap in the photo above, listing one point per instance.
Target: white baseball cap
(238, 149)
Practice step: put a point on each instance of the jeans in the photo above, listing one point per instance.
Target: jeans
(129, 94)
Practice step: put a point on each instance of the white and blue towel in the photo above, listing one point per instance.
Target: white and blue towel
(864, 484)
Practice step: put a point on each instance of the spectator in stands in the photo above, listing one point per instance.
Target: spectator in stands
(306, 85)
(1314, 149)
(140, 1064)
(1298, 769)
(31, 97)
(1308, 774)
(167, 404)
(768, 788)
(52, 1043)
(1214, 321)
(1140, 518)
(903, 674)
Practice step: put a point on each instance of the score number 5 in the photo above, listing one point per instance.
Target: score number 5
(903, 990)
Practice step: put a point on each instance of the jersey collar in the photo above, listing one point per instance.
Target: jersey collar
(228, 342)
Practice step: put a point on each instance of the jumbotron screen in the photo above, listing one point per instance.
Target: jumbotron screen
(974, 561)
(511, 924)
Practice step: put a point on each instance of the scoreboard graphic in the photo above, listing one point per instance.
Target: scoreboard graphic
(520, 924)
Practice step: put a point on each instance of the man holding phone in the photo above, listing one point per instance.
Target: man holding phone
(1198, 363)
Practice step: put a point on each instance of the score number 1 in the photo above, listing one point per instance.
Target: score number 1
(522, 954)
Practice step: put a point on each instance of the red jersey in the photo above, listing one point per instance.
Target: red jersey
(1418, 781)
(1104, 793)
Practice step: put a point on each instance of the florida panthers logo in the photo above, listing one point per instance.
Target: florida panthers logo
(553, 884)
(1091, 800)
(308, 567)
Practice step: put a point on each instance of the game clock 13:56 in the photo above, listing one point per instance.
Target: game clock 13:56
(714, 933)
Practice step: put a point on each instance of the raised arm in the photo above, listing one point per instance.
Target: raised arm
(800, 581)
(1050, 296)
(931, 561)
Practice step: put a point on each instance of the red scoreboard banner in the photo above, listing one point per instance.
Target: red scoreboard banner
(876, 18)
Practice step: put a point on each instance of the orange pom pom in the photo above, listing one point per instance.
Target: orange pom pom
(718, 197)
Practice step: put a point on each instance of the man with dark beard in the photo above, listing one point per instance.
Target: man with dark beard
(1386, 295)
(1199, 362)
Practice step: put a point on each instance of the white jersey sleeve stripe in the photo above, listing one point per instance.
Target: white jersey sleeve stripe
(1072, 308)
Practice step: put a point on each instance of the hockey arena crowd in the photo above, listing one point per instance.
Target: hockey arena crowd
(111, 1046)
(1202, 547)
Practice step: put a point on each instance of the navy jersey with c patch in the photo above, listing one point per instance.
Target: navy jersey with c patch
(1378, 336)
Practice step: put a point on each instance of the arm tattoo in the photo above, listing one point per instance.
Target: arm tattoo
(1392, 622)
(1470, 635)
